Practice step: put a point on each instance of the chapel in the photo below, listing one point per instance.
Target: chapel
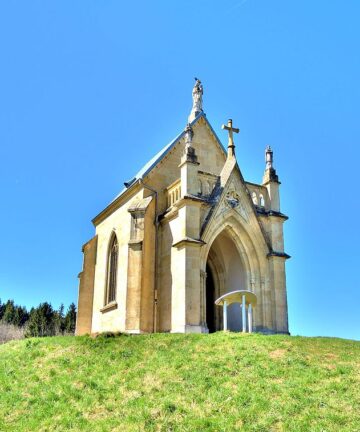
(186, 230)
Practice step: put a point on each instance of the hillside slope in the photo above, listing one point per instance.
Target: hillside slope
(218, 382)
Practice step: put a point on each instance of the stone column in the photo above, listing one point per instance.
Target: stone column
(243, 312)
(250, 318)
(225, 315)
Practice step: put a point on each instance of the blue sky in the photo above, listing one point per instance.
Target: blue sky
(91, 90)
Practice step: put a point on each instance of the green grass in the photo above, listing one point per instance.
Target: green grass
(163, 382)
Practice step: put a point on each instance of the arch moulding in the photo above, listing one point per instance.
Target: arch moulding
(253, 256)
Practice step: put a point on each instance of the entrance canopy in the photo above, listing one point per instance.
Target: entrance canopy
(246, 298)
(237, 297)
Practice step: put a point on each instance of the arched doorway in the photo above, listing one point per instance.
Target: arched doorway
(210, 301)
(225, 272)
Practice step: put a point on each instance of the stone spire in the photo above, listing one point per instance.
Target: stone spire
(271, 181)
(270, 172)
(189, 166)
(197, 94)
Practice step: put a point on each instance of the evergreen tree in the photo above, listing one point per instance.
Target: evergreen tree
(60, 320)
(2, 309)
(42, 321)
(9, 312)
(70, 319)
(21, 316)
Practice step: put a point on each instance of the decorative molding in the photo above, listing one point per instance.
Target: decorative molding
(110, 306)
(203, 274)
(233, 201)
(252, 283)
(135, 244)
(188, 241)
(278, 254)
(185, 200)
(262, 212)
(117, 203)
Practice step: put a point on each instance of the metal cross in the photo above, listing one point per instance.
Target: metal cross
(229, 127)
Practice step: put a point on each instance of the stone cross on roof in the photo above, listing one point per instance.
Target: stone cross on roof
(231, 146)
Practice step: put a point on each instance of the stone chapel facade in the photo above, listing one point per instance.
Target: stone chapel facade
(185, 230)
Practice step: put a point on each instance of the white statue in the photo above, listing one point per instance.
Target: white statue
(197, 94)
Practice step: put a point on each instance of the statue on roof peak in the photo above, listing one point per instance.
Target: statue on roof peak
(197, 94)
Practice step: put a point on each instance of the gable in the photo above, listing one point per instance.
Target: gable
(210, 153)
(209, 150)
(163, 169)
(233, 199)
(203, 150)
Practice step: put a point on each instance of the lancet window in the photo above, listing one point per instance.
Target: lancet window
(262, 201)
(254, 198)
(112, 270)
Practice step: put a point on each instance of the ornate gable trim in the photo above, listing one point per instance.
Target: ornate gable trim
(233, 197)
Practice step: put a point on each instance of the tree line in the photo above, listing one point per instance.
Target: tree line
(43, 320)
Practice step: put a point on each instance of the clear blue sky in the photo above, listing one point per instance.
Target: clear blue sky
(90, 90)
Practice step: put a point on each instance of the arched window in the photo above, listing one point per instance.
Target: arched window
(200, 187)
(254, 198)
(112, 270)
(262, 201)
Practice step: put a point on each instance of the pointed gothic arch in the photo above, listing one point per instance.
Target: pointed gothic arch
(112, 270)
(226, 271)
(255, 263)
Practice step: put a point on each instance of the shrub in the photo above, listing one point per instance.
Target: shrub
(10, 332)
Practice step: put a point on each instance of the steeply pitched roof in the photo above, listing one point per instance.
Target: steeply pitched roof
(162, 153)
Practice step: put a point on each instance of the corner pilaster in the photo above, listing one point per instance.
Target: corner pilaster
(280, 308)
(139, 310)
(86, 288)
(186, 299)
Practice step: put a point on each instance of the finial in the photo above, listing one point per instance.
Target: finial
(189, 154)
(197, 94)
(189, 133)
(269, 157)
(270, 172)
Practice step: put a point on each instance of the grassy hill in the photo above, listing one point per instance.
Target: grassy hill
(163, 382)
